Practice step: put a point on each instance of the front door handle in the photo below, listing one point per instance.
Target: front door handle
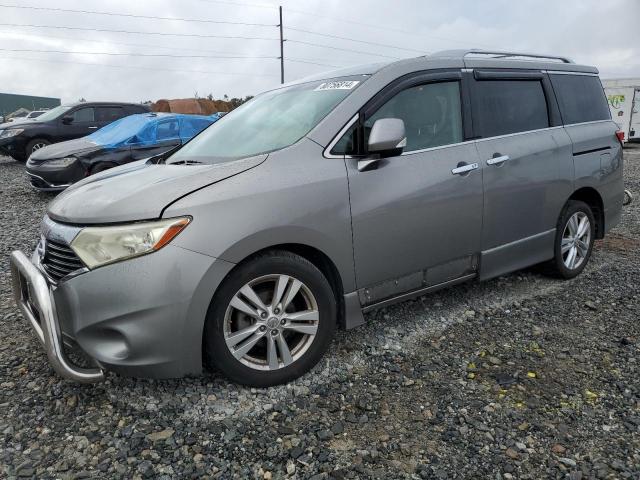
(498, 160)
(462, 169)
(93, 128)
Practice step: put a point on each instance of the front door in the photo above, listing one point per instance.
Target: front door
(83, 123)
(417, 217)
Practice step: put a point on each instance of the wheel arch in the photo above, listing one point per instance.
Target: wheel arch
(592, 197)
(319, 259)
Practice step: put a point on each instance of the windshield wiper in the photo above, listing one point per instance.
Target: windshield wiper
(185, 162)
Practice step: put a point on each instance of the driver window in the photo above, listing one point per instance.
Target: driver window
(432, 115)
(83, 115)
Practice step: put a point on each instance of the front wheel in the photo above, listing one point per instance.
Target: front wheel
(35, 145)
(271, 320)
(575, 233)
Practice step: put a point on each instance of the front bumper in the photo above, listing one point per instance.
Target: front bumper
(52, 179)
(33, 296)
(142, 317)
(13, 146)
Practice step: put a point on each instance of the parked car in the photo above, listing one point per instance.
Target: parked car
(18, 116)
(318, 201)
(35, 114)
(55, 167)
(62, 123)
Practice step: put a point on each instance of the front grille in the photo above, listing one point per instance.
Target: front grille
(59, 259)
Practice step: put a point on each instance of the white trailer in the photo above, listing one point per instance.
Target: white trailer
(623, 96)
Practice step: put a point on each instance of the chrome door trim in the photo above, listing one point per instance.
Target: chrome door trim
(564, 72)
(519, 133)
(465, 169)
(589, 123)
(498, 160)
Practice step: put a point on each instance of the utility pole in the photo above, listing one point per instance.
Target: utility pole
(281, 49)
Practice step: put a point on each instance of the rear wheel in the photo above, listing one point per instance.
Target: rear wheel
(575, 233)
(271, 320)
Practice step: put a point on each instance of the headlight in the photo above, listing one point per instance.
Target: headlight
(12, 132)
(97, 246)
(60, 162)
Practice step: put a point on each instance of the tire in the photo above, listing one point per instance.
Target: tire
(35, 144)
(561, 265)
(276, 271)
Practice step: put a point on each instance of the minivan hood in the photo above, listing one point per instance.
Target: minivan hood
(138, 191)
(64, 149)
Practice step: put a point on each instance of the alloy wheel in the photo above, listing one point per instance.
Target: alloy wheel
(38, 146)
(576, 240)
(271, 322)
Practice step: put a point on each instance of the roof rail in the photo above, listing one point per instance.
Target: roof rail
(496, 54)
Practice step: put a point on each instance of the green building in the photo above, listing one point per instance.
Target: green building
(9, 103)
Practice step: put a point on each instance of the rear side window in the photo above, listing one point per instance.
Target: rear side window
(581, 98)
(510, 106)
(109, 114)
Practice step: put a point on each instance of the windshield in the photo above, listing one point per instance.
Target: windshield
(269, 122)
(54, 113)
(121, 130)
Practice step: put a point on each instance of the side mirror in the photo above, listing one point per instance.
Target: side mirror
(386, 139)
(67, 120)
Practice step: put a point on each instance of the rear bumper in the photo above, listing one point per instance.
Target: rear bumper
(32, 293)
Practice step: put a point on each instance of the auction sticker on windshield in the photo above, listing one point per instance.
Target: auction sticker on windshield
(345, 85)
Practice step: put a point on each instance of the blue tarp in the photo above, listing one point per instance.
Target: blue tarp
(150, 128)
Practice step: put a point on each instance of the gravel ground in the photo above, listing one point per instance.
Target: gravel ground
(518, 377)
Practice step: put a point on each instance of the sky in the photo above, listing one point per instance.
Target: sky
(96, 59)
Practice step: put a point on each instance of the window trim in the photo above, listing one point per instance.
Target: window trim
(82, 107)
(327, 151)
(513, 75)
(410, 80)
(409, 85)
(562, 121)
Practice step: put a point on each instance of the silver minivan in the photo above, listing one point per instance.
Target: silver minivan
(317, 201)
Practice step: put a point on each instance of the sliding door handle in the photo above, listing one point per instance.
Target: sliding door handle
(462, 169)
(498, 160)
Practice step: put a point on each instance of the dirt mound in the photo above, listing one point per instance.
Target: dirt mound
(193, 106)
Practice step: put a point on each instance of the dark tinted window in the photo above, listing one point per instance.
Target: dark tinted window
(109, 114)
(347, 144)
(84, 115)
(581, 98)
(431, 113)
(510, 106)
